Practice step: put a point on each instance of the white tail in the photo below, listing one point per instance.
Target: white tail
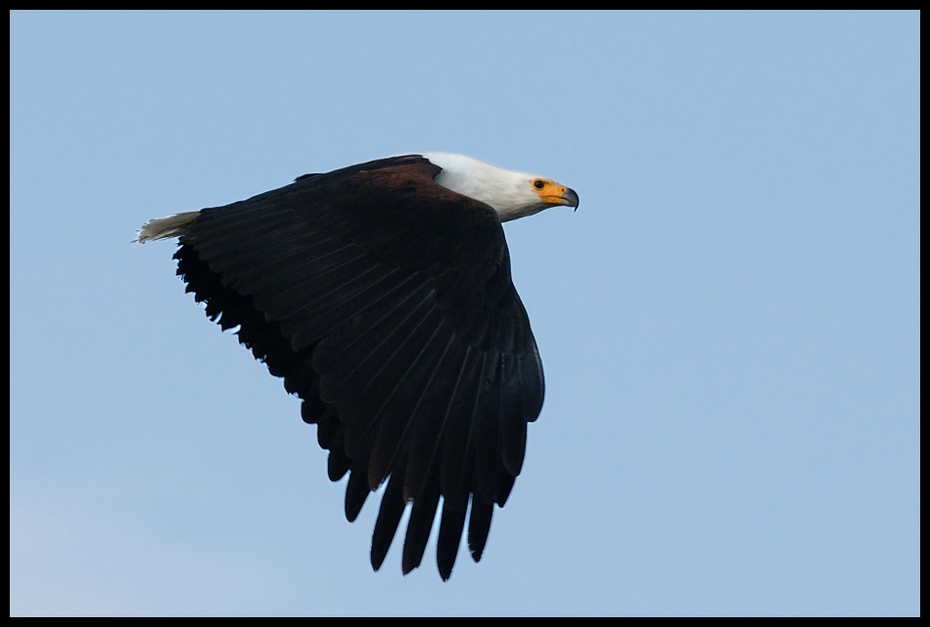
(162, 228)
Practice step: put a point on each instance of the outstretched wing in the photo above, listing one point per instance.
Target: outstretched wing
(385, 302)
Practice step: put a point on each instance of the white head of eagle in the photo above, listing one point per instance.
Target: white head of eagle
(512, 194)
(381, 293)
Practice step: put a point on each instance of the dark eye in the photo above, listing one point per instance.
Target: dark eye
(538, 184)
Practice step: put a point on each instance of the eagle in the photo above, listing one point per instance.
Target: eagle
(382, 294)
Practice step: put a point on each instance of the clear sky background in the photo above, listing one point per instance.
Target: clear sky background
(729, 324)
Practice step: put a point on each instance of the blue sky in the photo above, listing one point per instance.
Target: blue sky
(729, 324)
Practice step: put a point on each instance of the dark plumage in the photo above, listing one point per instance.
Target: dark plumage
(385, 301)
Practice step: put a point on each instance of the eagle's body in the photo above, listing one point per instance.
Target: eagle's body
(382, 294)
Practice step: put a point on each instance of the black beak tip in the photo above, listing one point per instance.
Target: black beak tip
(571, 196)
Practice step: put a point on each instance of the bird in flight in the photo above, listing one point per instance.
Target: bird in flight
(381, 293)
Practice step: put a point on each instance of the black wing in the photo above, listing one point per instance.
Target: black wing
(385, 302)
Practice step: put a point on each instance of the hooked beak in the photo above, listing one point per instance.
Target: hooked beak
(570, 198)
(554, 195)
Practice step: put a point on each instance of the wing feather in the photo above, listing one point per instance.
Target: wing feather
(487, 431)
(421, 520)
(396, 417)
(430, 417)
(389, 515)
(450, 532)
(479, 524)
(357, 489)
